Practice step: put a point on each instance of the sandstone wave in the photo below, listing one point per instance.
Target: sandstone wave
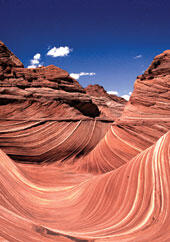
(79, 164)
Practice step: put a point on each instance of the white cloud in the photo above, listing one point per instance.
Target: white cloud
(32, 66)
(77, 75)
(61, 51)
(87, 74)
(127, 96)
(138, 56)
(113, 92)
(35, 62)
(37, 56)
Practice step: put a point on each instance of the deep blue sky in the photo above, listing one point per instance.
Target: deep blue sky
(105, 35)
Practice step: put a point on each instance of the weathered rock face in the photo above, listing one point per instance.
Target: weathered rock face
(7, 58)
(146, 117)
(110, 106)
(33, 99)
(70, 199)
(47, 94)
(43, 85)
(152, 90)
(99, 91)
(150, 100)
(159, 66)
(130, 203)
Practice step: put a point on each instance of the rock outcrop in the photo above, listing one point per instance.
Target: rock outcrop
(8, 59)
(88, 180)
(152, 89)
(110, 106)
(32, 100)
(146, 117)
(43, 85)
(127, 204)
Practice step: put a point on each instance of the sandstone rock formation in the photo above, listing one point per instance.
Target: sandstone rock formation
(110, 106)
(127, 204)
(146, 117)
(87, 180)
(33, 100)
(43, 85)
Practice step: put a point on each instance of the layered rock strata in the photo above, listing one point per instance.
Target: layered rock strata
(146, 117)
(110, 106)
(87, 181)
(34, 102)
(38, 87)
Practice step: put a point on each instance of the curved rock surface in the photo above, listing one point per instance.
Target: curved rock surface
(146, 117)
(131, 203)
(86, 180)
(32, 100)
